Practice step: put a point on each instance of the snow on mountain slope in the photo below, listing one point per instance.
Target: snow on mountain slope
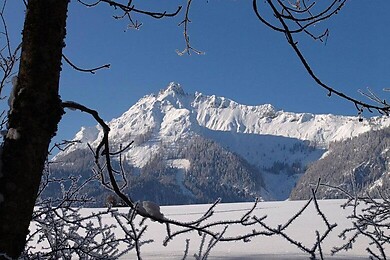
(275, 141)
(222, 114)
(172, 115)
(226, 115)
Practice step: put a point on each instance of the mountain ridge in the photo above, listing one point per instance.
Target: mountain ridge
(223, 114)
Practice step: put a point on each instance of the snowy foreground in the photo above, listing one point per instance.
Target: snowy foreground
(303, 229)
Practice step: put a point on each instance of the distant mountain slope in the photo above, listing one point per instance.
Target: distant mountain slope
(261, 151)
(198, 172)
(358, 165)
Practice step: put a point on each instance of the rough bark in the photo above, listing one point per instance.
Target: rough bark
(34, 115)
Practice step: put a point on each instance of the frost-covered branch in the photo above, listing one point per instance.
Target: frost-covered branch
(371, 219)
(60, 229)
(185, 23)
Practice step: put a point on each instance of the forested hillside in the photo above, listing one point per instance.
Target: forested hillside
(358, 165)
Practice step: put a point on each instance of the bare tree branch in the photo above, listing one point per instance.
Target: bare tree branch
(127, 8)
(92, 71)
(89, 5)
(188, 49)
(8, 56)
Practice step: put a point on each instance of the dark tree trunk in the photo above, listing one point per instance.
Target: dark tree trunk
(33, 119)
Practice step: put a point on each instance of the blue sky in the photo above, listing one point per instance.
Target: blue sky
(244, 60)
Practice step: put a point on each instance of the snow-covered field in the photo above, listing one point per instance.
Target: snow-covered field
(303, 229)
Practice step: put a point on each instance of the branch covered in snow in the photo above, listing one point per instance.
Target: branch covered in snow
(371, 219)
(60, 229)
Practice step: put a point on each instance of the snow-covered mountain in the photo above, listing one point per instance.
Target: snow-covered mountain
(269, 144)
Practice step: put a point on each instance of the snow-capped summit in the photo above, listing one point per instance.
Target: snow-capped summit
(172, 89)
(176, 88)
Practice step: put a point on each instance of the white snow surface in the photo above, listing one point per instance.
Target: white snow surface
(183, 165)
(259, 248)
(179, 163)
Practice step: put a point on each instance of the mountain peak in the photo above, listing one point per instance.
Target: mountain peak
(174, 88)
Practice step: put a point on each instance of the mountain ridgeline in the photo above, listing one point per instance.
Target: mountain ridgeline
(194, 148)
